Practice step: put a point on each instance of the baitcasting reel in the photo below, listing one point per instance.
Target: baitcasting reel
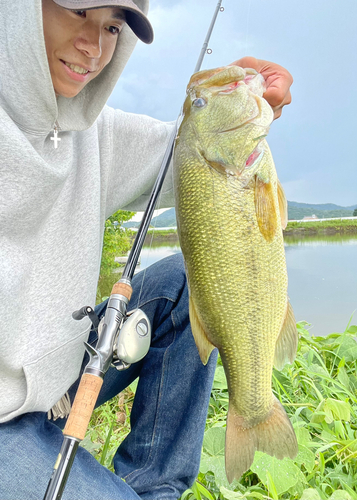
(133, 339)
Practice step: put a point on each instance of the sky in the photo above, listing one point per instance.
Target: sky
(314, 142)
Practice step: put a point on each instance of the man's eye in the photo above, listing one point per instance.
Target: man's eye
(113, 29)
(81, 13)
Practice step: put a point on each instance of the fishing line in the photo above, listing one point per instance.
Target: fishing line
(150, 247)
(204, 50)
(247, 26)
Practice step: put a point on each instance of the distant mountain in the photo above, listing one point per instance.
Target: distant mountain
(324, 206)
(166, 219)
(130, 224)
(296, 211)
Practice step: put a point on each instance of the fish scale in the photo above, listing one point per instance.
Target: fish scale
(239, 307)
(229, 225)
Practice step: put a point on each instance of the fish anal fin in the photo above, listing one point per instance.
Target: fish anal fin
(286, 344)
(283, 206)
(265, 209)
(204, 346)
(273, 435)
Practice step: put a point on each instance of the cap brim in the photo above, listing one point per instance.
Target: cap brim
(135, 18)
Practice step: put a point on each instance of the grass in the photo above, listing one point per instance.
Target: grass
(319, 393)
(313, 227)
(162, 232)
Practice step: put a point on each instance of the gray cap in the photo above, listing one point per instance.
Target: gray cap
(134, 17)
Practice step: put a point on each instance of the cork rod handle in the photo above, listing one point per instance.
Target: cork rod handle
(122, 289)
(83, 406)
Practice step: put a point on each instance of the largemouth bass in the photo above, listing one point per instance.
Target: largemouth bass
(230, 211)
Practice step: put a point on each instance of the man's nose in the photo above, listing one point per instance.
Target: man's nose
(90, 41)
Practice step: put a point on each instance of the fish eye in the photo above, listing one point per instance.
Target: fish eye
(199, 102)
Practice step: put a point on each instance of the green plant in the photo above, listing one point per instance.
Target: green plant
(116, 241)
(319, 392)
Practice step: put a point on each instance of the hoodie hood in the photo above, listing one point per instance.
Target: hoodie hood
(26, 90)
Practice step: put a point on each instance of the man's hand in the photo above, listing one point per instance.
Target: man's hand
(278, 81)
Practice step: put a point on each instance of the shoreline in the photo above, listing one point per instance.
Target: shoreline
(328, 227)
(294, 228)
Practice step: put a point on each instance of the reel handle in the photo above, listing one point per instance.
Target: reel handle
(86, 311)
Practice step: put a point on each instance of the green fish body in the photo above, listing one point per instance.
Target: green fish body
(230, 210)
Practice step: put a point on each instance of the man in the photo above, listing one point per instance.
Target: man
(67, 163)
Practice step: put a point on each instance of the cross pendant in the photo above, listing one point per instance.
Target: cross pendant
(55, 138)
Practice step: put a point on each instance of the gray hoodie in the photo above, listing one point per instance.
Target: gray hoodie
(53, 204)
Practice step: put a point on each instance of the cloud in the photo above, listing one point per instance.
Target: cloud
(313, 141)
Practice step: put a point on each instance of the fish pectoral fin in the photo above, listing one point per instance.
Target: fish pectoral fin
(265, 208)
(283, 206)
(204, 346)
(286, 344)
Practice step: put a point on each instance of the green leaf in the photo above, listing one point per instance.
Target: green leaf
(106, 444)
(340, 495)
(186, 494)
(347, 348)
(343, 377)
(340, 430)
(329, 410)
(220, 381)
(302, 435)
(234, 495)
(196, 492)
(230, 495)
(342, 363)
(271, 487)
(134, 385)
(317, 370)
(340, 410)
(306, 457)
(310, 494)
(89, 445)
(349, 490)
(213, 455)
(217, 466)
(204, 491)
(353, 382)
(317, 417)
(284, 473)
(214, 441)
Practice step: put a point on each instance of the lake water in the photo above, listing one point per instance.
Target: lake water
(323, 281)
(322, 278)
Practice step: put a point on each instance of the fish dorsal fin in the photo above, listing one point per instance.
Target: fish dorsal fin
(204, 346)
(283, 206)
(265, 208)
(286, 344)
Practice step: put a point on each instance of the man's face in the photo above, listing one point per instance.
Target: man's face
(79, 44)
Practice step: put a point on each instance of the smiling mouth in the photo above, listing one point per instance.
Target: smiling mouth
(75, 68)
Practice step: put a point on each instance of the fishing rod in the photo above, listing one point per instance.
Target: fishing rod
(122, 339)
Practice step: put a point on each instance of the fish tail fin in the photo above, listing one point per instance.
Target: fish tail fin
(274, 435)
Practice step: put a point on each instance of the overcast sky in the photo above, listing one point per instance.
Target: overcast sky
(314, 142)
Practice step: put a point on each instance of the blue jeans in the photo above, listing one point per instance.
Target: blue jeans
(160, 457)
